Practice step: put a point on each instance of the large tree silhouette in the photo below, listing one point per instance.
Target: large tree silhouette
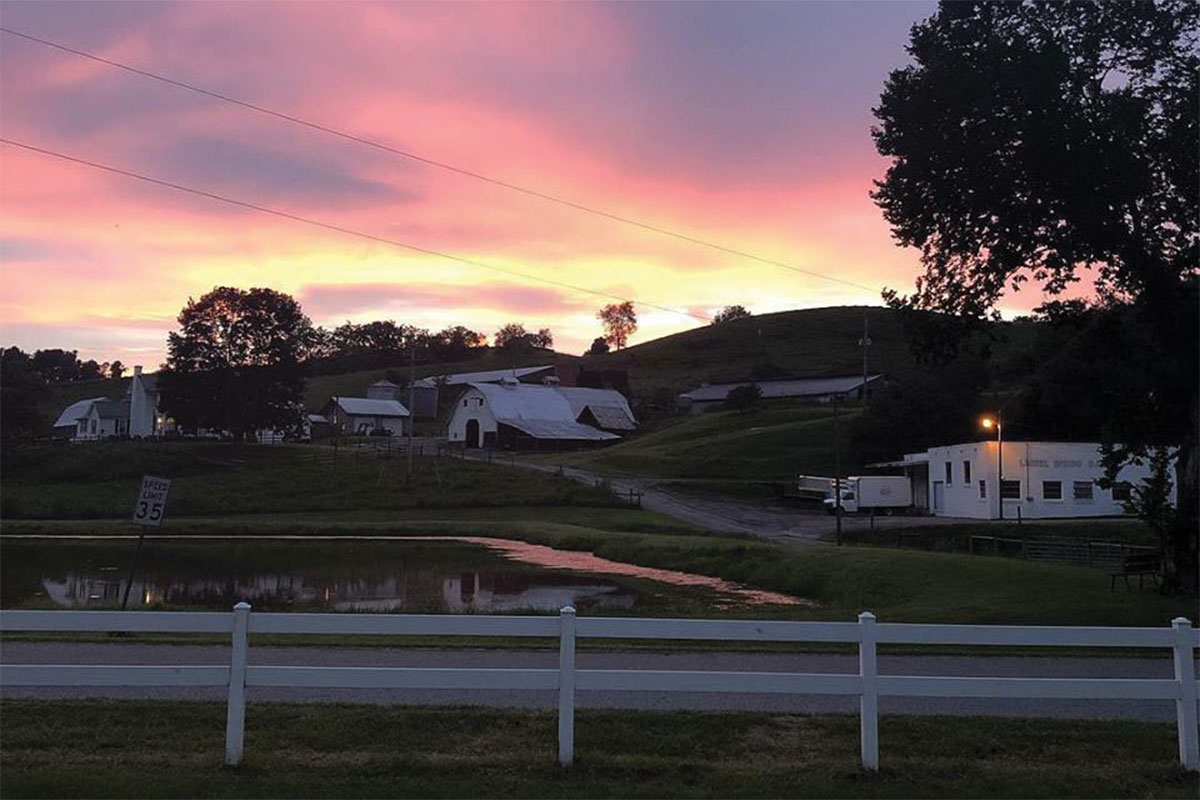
(236, 363)
(1047, 141)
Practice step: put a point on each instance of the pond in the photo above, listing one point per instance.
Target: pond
(410, 574)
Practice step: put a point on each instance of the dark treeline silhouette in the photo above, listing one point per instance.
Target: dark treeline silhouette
(55, 365)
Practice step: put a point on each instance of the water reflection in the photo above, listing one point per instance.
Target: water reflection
(417, 590)
(415, 574)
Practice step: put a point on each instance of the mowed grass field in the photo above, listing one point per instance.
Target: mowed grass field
(160, 749)
(101, 480)
(773, 442)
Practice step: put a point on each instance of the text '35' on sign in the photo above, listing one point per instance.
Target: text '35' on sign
(152, 501)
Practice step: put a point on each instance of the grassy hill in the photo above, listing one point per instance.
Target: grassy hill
(771, 443)
(811, 342)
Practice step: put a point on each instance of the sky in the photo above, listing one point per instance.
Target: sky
(745, 124)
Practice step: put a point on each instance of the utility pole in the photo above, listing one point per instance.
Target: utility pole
(837, 470)
(412, 390)
(865, 343)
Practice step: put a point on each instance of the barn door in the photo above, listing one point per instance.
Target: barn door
(473, 433)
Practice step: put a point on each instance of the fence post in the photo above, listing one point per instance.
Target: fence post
(1185, 705)
(869, 701)
(235, 719)
(566, 686)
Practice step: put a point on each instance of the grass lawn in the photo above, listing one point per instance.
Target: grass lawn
(162, 749)
(101, 480)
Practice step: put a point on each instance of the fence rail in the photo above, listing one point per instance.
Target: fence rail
(1063, 549)
(868, 685)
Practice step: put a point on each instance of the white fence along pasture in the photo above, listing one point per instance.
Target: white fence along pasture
(867, 684)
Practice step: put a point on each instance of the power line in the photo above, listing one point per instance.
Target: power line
(432, 162)
(341, 229)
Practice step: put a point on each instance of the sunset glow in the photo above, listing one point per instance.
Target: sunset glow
(743, 124)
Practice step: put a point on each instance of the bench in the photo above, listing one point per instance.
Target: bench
(1141, 565)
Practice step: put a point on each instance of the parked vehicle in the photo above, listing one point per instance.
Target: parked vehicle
(812, 487)
(872, 492)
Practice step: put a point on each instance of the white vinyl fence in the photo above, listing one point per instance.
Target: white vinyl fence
(868, 684)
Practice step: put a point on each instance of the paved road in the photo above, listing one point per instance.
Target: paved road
(765, 518)
(121, 653)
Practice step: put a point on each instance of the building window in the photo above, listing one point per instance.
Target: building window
(1010, 490)
(983, 490)
(949, 473)
(1052, 490)
(1122, 491)
(966, 473)
(1083, 490)
(464, 402)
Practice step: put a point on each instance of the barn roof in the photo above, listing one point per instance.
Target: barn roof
(557, 429)
(367, 407)
(487, 376)
(72, 413)
(796, 387)
(546, 412)
(608, 406)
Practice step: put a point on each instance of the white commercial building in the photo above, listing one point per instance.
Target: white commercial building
(1041, 480)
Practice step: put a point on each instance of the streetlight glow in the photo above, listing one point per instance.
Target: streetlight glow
(987, 422)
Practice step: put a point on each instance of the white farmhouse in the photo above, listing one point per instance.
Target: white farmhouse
(518, 415)
(1041, 480)
(135, 415)
(144, 419)
(94, 419)
(73, 423)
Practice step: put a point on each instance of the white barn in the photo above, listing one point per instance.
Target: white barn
(1042, 480)
(519, 415)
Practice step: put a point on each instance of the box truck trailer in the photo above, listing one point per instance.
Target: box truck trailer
(872, 492)
(813, 487)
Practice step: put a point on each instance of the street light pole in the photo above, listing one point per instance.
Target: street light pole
(987, 423)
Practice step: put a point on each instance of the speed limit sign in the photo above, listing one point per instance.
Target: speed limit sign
(152, 501)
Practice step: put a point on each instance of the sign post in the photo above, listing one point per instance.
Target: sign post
(149, 511)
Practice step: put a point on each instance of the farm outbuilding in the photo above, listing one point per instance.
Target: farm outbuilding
(712, 396)
(513, 415)
(364, 415)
